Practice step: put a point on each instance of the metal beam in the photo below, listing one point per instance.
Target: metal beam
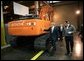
(3, 42)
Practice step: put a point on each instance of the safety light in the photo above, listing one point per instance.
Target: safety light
(78, 12)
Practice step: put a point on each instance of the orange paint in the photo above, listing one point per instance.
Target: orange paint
(32, 27)
(28, 30)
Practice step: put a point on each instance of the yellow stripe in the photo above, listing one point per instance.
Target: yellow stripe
(37, 55)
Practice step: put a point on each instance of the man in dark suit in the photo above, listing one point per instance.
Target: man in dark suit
(54, 35)
(61, 34)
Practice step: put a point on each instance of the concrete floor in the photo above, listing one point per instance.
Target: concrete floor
(59, 54)
(17, 53)
(24, 53)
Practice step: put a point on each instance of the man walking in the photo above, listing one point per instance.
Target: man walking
(61, 34)
(53, 37)
(68, 32)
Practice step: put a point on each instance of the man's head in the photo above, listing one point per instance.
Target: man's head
(67, 23)
(52, 24)
(61, 24)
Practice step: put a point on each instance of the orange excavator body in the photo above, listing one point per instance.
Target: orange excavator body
(32, 27)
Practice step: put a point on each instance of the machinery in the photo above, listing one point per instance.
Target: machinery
(34, 27)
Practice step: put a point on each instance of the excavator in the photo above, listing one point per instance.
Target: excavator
(35, 27)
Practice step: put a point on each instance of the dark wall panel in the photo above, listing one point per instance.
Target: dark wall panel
(67, 12)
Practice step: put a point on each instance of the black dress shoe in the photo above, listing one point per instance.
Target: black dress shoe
(54, 49)
(66, 53)
(70, 54)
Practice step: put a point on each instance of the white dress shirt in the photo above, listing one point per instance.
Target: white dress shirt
(61, 28)
(52, 28)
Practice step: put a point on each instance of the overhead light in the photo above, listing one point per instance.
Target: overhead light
(52, 1)
(78, 12)
(56, 1)
(5, 7)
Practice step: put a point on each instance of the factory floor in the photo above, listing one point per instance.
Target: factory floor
(24, 53)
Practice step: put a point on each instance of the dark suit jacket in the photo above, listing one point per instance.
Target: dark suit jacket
(54, 35)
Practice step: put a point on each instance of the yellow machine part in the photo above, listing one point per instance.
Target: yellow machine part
(3, 42)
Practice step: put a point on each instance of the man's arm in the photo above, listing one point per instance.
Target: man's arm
(73, 29)
(63, 31)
